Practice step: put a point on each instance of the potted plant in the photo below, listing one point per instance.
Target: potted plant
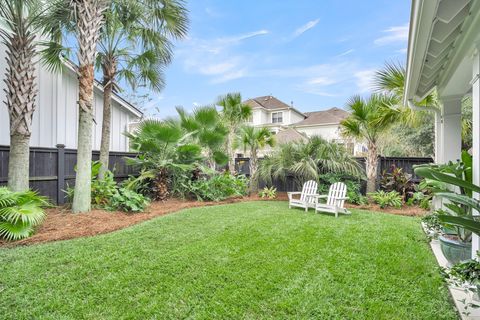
(455, 241)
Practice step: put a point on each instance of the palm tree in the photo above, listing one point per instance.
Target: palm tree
(206, 129)
(307, 160)
(84, 19)
(20, 18)
(135, 44)
(234, 114)
(369, 119)
(252, 140)
(162, 148)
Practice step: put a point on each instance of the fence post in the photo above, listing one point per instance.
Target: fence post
(60, 173)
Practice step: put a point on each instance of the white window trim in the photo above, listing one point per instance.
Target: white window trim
(281, 112)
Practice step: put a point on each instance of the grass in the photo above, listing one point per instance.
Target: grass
(254, 260)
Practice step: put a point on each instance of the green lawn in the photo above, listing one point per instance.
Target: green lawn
(254, 260)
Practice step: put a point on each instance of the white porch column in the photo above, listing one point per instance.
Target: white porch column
(438, 137)
(476, 136)
(451, 129)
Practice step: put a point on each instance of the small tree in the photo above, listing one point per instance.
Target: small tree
(234, 114)
(20, 18)
(369, 119)
(252, 140)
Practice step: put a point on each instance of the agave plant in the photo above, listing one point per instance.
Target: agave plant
(20, 213)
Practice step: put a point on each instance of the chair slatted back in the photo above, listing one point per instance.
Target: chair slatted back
(309, 188)
(336, 191)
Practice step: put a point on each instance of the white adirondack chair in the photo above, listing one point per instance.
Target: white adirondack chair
(307, 196)
(337, 194)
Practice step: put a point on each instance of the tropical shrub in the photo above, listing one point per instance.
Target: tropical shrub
(395, 179)
(308, 161)
(453, 182)
(127, 200)
(217, 187)
(268, 193)
(387, 199)
(432, 222)
(419, 198)
(20, 213)
(356, 198)
(108, 195)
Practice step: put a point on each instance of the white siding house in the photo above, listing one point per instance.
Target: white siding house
(279, 117)
(55, 119)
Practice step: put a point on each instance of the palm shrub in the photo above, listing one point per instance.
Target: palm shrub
(162, 148)
(20, 213)
(307, 160)
(205, 128)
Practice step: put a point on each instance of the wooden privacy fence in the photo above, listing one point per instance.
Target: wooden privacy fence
(384, 163)
(52, 170)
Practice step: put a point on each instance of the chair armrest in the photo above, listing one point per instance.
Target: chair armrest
(344, 198)
(318, 196)
(290, 194)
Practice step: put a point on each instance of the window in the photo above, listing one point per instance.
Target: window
(250, 119)
(277, 117)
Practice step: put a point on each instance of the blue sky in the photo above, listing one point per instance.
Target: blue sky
(314, 53)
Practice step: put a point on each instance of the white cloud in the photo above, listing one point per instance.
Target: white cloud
(396, 34)
(217, 57)
(309, 25)
(346, 53)
(364, 79)
(322, 81)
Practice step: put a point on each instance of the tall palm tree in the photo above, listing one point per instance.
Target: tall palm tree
(306, 160)
(135, 45)
(20, 17)
(234, 114)
(84, 19)
(252, 140)
(369, 119)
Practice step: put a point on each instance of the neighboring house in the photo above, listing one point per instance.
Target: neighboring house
(55, 120)
(285, 120)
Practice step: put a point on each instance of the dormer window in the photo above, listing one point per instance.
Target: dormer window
(277, 117)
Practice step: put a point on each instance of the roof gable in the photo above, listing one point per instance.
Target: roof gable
(330, 116)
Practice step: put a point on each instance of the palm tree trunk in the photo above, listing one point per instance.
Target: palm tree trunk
(371, 167)
(21, 93)
(89, 20)
(109, 70)
(18, 162)
(253, 165)
(231, 151)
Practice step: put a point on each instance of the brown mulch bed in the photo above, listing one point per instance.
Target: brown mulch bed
(411, 211)
(61, 224)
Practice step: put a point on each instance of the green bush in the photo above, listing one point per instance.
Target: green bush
(268, 193)
(127, 200)
(217, 187)
(20, 213)
(387, 199)
(356, 198)
(353, 186)
(108, 195)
